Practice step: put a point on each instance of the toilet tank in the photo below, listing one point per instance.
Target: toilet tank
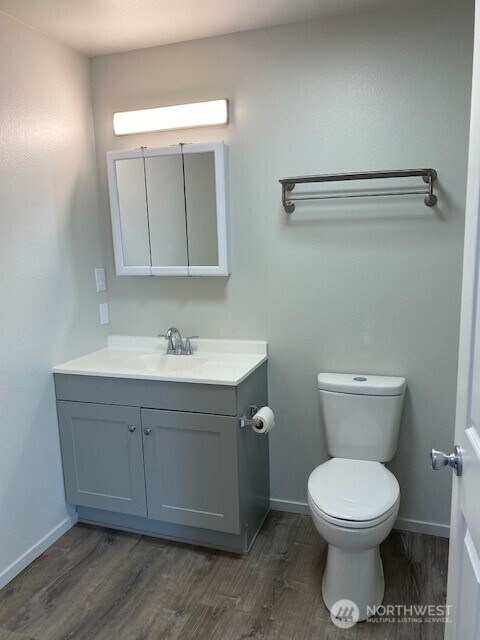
(361, 414)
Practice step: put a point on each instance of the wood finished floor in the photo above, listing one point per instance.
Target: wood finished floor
(100, 584)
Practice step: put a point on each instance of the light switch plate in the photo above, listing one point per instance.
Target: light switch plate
(104, 318)
(100, 279)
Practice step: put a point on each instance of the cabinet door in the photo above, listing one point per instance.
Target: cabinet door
(102, 456)
(205, 201)
(191, 469)
(128, 204)
(166, 211)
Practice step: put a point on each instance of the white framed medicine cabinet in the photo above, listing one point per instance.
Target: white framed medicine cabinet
(168, 207)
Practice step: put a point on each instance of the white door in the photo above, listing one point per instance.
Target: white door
(463, 594)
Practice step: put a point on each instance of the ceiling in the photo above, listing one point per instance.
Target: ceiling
(96, 27)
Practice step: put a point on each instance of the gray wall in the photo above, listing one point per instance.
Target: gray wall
(49, 244)
(372, 286)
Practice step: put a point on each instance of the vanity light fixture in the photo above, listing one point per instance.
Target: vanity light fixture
(180, 116)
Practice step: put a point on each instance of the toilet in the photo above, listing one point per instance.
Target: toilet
(353, 497)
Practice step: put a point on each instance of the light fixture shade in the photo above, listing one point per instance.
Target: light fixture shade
(180, 116)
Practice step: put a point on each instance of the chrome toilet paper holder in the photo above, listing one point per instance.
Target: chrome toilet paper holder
(250, 421)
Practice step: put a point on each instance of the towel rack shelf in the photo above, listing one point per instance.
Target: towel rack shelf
(428, 176)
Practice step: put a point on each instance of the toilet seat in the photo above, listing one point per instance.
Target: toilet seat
(353, 493)
(351, 524)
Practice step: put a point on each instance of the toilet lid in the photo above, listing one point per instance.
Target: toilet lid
(353, 489)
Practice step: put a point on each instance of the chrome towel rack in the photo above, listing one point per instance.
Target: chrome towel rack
(428, 175)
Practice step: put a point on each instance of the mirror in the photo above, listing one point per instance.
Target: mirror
(168, 209)
(201, 201)
(133, 205)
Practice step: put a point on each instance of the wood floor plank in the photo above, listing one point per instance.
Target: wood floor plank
(53, 608)
(9, 635)
(98, 584)
(250, 577)
(76, 544)
(165, 596)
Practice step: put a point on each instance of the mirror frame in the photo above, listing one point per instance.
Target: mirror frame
(219, 150)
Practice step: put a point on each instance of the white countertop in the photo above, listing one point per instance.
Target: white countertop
(224, 362)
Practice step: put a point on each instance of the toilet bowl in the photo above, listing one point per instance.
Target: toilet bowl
(354, 504)
(353, 497)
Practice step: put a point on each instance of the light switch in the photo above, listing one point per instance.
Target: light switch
(100, 279)
(104, 319)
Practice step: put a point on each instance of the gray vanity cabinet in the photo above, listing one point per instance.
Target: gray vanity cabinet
(102, 456)
(191, 469)
(167, 459)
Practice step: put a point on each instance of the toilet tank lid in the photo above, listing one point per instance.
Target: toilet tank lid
(362, 384)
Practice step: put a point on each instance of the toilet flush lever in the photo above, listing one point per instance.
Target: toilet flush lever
(439, 459)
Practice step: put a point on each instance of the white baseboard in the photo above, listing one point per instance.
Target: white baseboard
(36, 550)
(419, 526)
(401, 524)
(289, 506)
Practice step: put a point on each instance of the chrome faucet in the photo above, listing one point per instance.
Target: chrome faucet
(176, 346)
(175, 342)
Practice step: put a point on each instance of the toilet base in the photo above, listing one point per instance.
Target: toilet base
(356, 575)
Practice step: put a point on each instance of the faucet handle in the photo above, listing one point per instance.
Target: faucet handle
(187, 349)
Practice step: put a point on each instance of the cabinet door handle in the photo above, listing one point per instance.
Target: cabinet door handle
(147, 431)
(131, 428)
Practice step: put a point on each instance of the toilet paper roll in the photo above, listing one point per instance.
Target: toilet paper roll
(266, 418)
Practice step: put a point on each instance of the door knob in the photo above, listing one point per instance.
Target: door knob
(131, 428)
(439, 459)
(147, 431)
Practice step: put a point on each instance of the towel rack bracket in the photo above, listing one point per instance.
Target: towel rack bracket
(431, 175)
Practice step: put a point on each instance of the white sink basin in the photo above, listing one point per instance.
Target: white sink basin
(166, 364)
(225, 362)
